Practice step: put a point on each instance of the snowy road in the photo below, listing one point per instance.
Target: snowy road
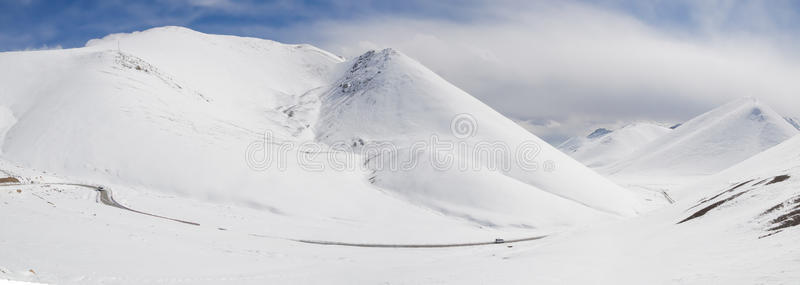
(105, 197)
(419, 245)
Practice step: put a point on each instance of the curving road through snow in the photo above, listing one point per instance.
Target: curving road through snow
(418, 245)
(105, 197)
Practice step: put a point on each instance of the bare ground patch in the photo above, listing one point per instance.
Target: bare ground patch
(9, 180)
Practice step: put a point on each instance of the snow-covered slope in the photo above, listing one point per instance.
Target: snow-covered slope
(174, 110)
(740, 227)
(179, 123)
(606, 147)
(761, 191)
(745, 234)
(388, 97)
(710, 142)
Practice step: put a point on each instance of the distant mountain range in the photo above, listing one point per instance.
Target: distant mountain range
(603, 146)
(703, 145)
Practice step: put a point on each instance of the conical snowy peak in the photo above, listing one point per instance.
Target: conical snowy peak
(712, 141)
(371, 62)
(599, 133)
(360, 77)
(388, 97)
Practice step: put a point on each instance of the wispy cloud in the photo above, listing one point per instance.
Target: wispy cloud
(579, 65)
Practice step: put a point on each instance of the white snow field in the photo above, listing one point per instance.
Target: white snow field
(604, 147)
(175, 157)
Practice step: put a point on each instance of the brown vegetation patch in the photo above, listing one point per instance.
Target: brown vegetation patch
(9, 180)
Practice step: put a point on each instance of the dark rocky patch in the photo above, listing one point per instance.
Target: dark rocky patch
(720, 193)
(770, 234)
(779, 178)
(599, 133)
(789, 219)
(708, 208)
(794, 201)
(761, 182)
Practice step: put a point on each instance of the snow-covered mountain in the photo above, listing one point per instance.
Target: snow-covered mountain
(710, 142)
(175, 110)
(386, 93)
(604, 147)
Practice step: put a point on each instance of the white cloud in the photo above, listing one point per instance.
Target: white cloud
(208, 3)
(43, 47)
(573, 63)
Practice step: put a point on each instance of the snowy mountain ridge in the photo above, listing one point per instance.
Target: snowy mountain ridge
(710, 142)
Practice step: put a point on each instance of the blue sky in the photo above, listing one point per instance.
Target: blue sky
(26, 24)
(29, 24)
(560, 68)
